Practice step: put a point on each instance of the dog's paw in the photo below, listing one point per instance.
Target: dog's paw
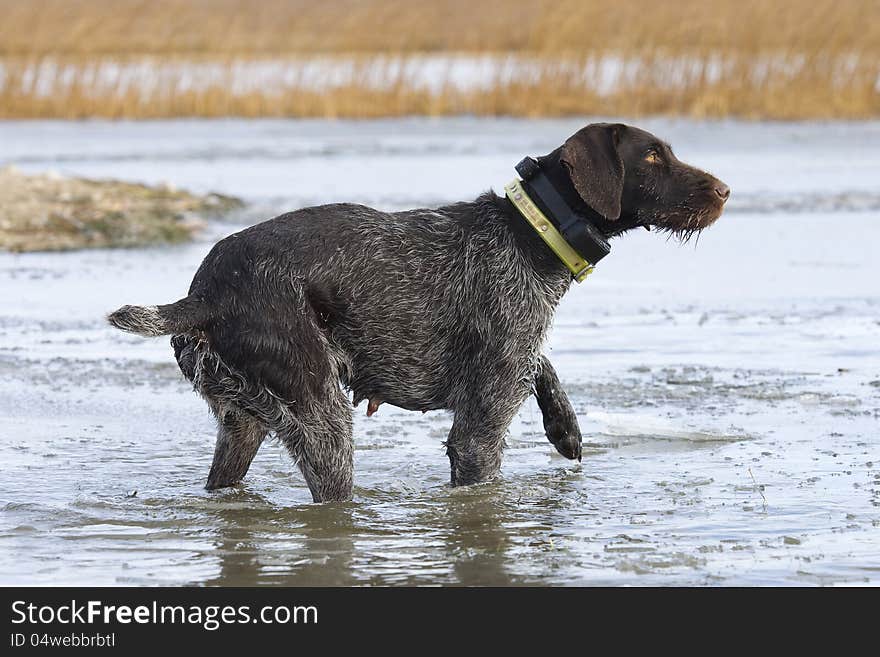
(566, 438)
(569, 446)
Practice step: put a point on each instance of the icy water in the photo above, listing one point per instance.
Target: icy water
(728, 392)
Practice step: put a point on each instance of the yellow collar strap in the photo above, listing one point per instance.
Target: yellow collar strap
(579, 266)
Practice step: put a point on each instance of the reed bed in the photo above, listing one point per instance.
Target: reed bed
(369, 58)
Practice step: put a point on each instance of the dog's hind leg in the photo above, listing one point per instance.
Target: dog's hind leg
(238, 439)
(320, 442)
(283, 372)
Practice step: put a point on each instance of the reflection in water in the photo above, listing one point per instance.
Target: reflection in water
(308, 545)
(499, 533)
(471, 527)
(489, 535)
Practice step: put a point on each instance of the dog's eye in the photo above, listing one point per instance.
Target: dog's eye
(653, 157)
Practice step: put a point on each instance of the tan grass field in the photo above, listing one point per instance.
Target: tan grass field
(786, 59)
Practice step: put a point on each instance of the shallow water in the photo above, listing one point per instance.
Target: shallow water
(728, 392)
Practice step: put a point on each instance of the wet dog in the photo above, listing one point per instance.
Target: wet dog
(425, 309)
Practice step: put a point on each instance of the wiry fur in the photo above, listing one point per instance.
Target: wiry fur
(143, 320)
(152, 321)
(423, 309)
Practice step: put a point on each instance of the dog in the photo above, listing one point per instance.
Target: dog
(424, 309)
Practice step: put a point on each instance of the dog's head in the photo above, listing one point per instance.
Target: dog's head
(631, 178)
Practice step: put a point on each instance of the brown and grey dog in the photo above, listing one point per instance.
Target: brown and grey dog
(423, 309)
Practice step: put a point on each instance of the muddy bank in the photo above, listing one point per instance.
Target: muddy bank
(50, 212)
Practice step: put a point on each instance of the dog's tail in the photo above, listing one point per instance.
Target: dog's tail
(151, 321)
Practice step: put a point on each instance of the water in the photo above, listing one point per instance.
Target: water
(729, 393)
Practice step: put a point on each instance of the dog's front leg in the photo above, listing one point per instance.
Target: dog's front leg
(560, 420)
(476, 440)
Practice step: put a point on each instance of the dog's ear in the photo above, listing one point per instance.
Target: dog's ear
(595, 167)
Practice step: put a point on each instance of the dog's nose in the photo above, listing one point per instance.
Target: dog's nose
(722, 190)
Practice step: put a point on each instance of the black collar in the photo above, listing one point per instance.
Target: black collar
(576, 228)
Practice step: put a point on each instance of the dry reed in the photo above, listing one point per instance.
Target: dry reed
(781, 59)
